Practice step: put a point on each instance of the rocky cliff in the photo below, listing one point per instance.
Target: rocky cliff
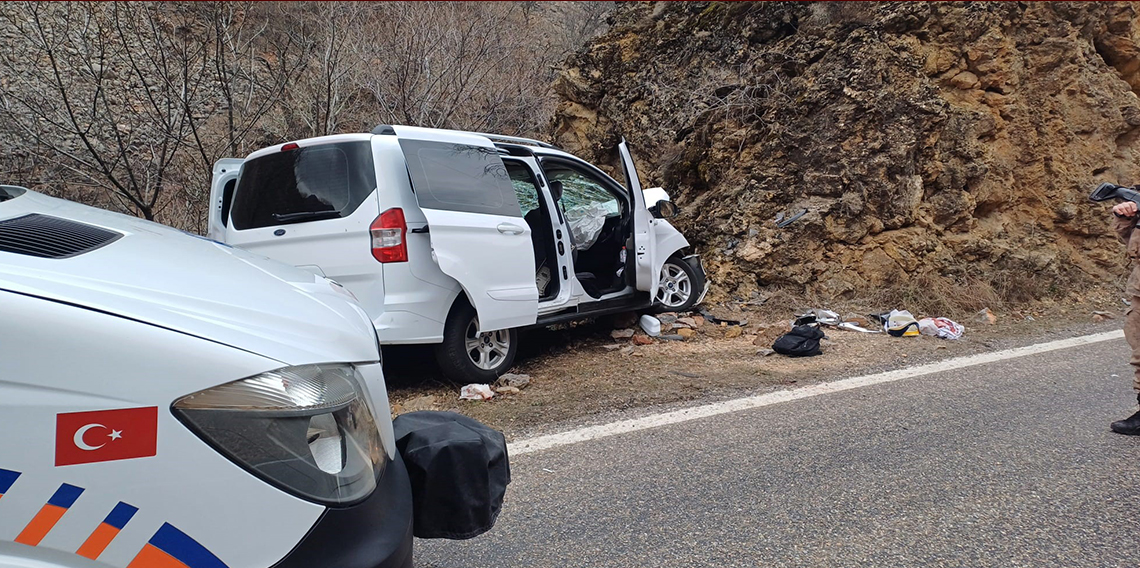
(952, 144)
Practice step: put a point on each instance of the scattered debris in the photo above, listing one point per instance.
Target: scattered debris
(733, 332)
(801, 341)
(516, 380)
(879, 320)
(621, 333)
(548, 470)
(687, 322)
(1126, 302)
(686, 375)
(857, 320)
(667, 318)
(507, 390)
(940, 327)
(986, 316)
(612, 346)
(816, 315)
(650, 325)
(900, 323)
(719, 321)
(686, 333)
(1101, 316)
(642, 340)
(628, 349)
(698, 321)
(476, 392)
(782, 221)
(765, 352)
(852, 326)
(672, 337)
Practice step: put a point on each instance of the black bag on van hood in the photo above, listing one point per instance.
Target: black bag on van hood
(459, 473)
(802, 341)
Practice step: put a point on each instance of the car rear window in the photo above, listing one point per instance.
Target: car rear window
(328, 181)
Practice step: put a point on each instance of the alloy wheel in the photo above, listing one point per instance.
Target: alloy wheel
(675, 287)
(488, 349)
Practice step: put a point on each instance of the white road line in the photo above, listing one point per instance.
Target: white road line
(546, 442)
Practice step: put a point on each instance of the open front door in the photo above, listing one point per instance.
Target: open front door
(648, 269)
(478, 235)
(222, 185)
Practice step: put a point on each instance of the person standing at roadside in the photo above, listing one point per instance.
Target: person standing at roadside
(1128, 231)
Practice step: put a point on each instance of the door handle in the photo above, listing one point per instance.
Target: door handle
(509, 229)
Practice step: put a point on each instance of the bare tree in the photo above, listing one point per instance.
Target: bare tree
(128, 105)
(476, 66)
(105, 99)
(139, 100)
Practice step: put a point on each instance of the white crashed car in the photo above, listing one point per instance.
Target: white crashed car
(458, 239)
(169, 401)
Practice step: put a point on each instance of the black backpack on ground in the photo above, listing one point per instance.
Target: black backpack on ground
(802, 341)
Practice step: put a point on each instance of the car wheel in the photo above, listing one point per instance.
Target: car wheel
(679, 287)
(466, 355)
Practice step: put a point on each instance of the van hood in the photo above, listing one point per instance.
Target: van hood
(172, 279)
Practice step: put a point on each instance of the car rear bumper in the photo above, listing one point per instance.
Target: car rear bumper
(376, 533)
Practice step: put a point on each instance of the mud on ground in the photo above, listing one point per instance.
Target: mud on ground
(578, 376)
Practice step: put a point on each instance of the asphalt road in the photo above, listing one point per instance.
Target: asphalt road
(1004, 464)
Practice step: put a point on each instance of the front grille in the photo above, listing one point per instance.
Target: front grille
(45, 236)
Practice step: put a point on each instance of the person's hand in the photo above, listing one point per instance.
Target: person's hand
(1125, 209)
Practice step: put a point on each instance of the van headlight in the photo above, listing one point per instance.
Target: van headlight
(308, 430)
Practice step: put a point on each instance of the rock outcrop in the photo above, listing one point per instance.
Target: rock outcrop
(947, 140)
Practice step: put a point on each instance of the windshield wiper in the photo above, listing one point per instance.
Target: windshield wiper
(305, 215)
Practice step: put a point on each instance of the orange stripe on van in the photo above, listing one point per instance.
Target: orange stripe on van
(98, 541)
(40, 525)
(151, 557)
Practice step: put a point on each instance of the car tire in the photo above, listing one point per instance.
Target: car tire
(466, 356)
(680, 286)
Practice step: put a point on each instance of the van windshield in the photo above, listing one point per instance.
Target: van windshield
(328, 181)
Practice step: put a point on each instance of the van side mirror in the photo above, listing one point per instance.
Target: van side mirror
(664, 209)
(556, 190)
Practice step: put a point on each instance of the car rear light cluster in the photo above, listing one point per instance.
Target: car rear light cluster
(389, 236)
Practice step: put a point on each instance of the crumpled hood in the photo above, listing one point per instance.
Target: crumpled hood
(168, 278)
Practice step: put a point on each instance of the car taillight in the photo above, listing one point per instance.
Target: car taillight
(388, 236)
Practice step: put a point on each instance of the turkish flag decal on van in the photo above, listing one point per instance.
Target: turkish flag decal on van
(106, 435)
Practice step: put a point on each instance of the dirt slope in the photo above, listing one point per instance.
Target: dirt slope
(949, 146)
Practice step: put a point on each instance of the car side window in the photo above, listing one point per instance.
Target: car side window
(459, 177)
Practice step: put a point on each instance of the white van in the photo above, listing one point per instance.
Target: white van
(459, 238)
